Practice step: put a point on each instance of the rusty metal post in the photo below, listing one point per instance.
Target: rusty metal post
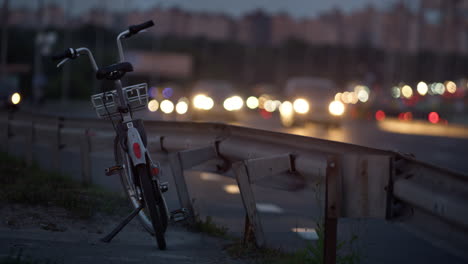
(253, 224)
(331, 210)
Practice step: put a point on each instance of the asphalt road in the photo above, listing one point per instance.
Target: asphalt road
(281, 212)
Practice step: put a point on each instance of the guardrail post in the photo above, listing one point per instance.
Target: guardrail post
(9, 133)
(253, 223)
(183, 160)
(85, 151)
(4, 131)
(30, 138)
(57, 147)
(181, 185)
(247, 173)
(332, 209)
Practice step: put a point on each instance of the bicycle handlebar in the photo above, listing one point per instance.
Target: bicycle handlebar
(74, 53)
(135, 29)
(67, 54)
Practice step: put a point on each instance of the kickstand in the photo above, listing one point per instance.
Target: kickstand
(118, 228)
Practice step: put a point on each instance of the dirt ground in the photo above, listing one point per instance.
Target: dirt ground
(52, 235)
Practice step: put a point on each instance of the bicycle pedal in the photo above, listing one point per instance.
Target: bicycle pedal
(179, 215)
(113, 170)
(164, 187)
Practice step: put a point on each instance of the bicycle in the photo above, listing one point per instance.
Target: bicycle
(138, 173)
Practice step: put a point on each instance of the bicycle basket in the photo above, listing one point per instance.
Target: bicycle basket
(106, 103)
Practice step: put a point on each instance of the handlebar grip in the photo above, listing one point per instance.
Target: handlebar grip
(137, 28)
(69, 53)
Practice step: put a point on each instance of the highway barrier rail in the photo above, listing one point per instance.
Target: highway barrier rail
(359, 182)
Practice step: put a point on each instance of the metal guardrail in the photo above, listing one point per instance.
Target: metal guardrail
(358, 181)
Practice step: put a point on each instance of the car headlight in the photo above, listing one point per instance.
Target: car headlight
(286, 108)
(167, 106)
(203, 102)
(153, 105)
(233, 103)
(15, 98)
(252, 102)
(301, 106)
(181, 107)
(336, 108)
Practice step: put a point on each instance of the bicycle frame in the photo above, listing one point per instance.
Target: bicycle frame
(135, 147)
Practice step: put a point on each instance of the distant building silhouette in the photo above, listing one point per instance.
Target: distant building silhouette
(434, 25)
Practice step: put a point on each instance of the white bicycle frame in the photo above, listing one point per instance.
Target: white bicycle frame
(136, 149)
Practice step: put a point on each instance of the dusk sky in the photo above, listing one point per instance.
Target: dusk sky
(297, 8)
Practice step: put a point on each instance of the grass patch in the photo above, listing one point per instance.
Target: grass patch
(239, 250)
(209, 227)
(311, 254)
(22, 184)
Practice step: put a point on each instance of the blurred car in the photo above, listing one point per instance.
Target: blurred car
(311, 99)
(10, 96)
(215, 100)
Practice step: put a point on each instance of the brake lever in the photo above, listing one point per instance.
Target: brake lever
(62, 62)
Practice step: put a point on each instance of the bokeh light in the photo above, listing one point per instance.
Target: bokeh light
(301, 106)
(407, 91)
(361, 93)
(438, 88)
(16, 98)
(422, 88)
(338, 96)
(153, 105)
(451, 87)
(433, 117)
(182, 106)
(408, 116)
(396, 92)
(380, 115)
(363, 96)
(345, 98)
(336, 108)
(270, 106)
(153, 92)
(286, 108)
(167, 92)
(203, 102)
(252, 102)
(262, 99)
(167, 106)
(233, 103)
(353, 98)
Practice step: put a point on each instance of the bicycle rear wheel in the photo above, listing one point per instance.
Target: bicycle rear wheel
(130, 180)
(151, 200)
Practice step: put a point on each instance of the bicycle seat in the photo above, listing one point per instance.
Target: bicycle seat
(114, 71)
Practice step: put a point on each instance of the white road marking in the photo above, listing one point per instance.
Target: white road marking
(269, 208)
(231, 188)
(306, 233)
